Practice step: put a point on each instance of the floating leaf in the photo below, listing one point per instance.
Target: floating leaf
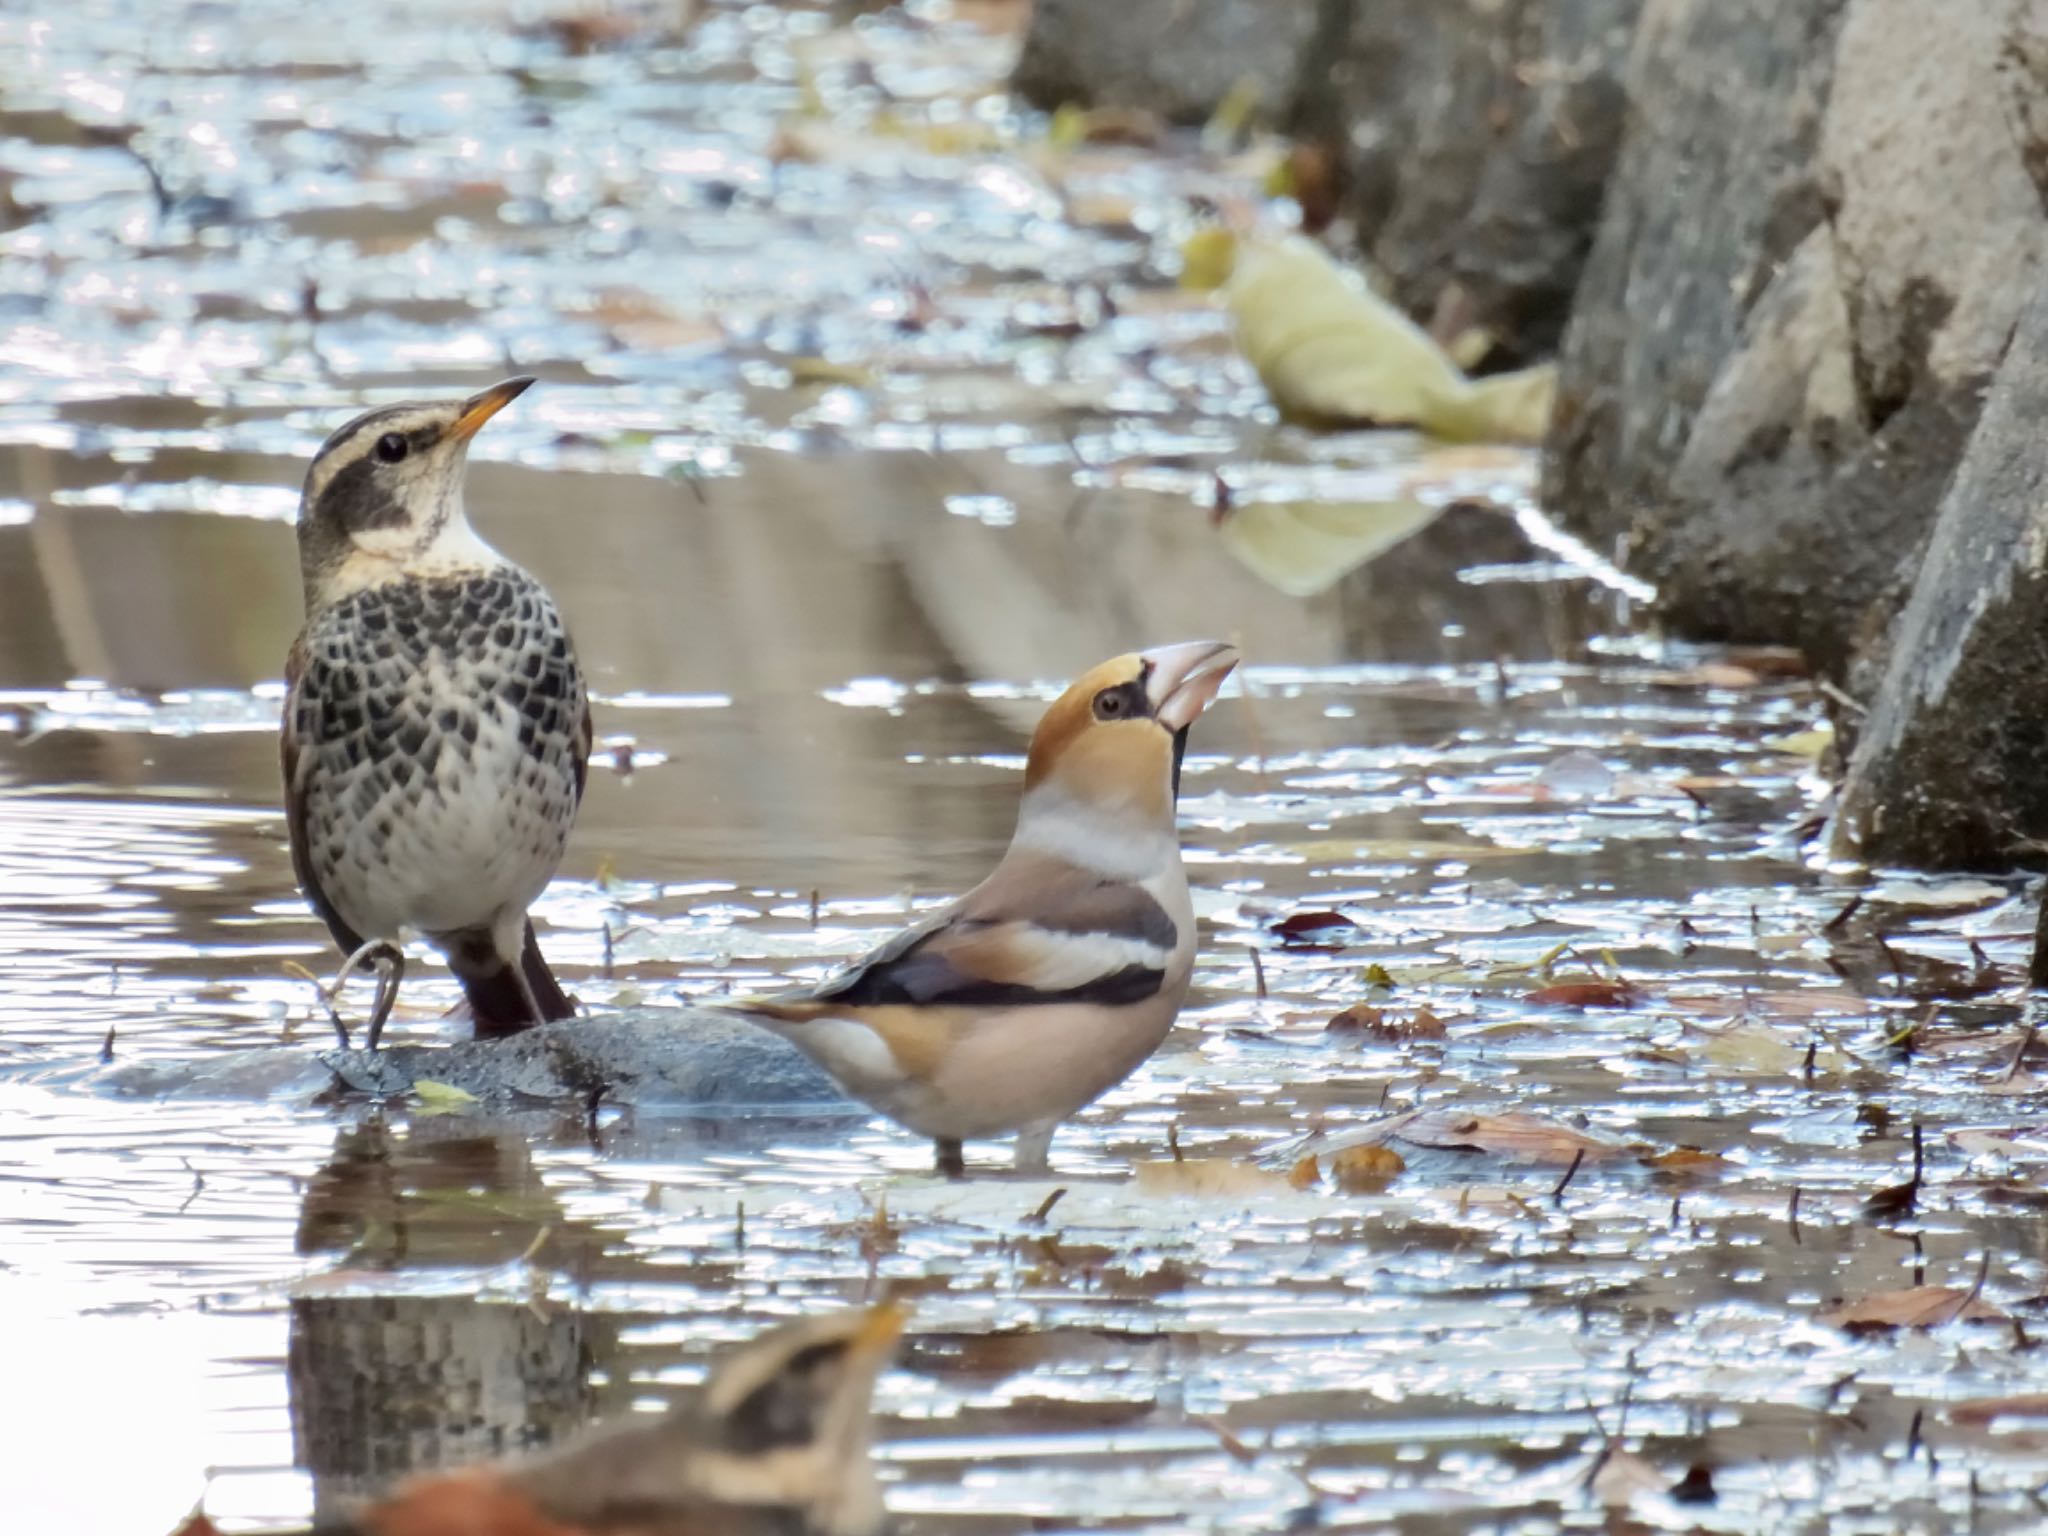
(1810, 744)
(1709, 675)
(1306, 1174)
(1921, 1306)
(442, 1098)
(1365, 1169)
(1307, 547)
(1329, 350)
(1365, 1021)
(1206, 1177)
(1587, 994)
(1622, 1476)
(1514, 1134)
(1686, 1160)
(1983, 1410)
(1306, 925)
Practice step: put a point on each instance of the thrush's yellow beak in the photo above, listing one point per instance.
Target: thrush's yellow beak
(478, 409)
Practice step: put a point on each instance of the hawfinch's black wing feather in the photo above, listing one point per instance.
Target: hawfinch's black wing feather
(1030, 934)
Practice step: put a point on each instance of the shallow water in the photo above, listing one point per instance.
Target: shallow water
(867, 417)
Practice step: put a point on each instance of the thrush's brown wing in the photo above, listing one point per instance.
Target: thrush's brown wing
(301, 726)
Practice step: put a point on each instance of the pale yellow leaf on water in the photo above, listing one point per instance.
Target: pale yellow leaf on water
(1207, 257)
(1514, 1134)
(1329, 350)
(1207, 1177)
(2019, 1142)
(441, 1098)
(1306, 547)
(1810, 744)
(1938, 893)
(1467, 348)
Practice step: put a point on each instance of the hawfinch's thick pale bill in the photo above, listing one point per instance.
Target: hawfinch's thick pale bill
(1048, 983)
(777, 1443)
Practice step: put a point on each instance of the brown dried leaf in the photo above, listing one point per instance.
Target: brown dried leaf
(1306, 1174)
(1365, 1170)
(1363, 1020)
(1920, 1306)
(1982, 1410)
(1713, 674)
(1623, 1475)
(1587, 994)
(1301, 925)
(1515, 1134)
(1686, 1160)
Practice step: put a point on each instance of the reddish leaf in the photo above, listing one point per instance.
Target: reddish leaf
(1586, 994)
(1364, 1021)
(1302, 925)
(1921, 1306)
(1365, 1170)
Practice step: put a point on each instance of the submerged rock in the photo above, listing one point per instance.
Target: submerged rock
(650, 1056)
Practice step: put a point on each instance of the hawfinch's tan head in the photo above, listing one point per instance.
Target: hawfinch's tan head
(1114, 740)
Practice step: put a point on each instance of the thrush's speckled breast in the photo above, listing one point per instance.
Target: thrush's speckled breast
(436, 731)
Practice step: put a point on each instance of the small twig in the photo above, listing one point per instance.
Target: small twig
(2012, 1068)
(1045, 1206)
(1792, 1215)
(739, 1227)
(814, 906)
(107, 1045)
(1840, 920)
(1853, 705)
(1976, 1288)
(1557, 1194)
(1812, 1052)
(608, 952)
(1173, 1140)
(1258, 974)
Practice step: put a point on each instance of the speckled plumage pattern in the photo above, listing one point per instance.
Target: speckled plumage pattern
(435, 738)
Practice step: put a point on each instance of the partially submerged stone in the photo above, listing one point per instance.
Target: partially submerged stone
(680, 1058)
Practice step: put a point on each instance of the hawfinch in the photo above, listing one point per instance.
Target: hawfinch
(1048, 983)
(776, 1443)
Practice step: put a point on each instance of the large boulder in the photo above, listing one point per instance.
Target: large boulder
(1178, 58)
(1472, 141)
(1814, 249)
(1951, 769)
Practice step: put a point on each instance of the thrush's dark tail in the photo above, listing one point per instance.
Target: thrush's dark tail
(497, 1004)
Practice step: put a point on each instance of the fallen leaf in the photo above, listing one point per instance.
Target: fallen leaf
(441, 1098)
(1686, 1160)
(1709, 675)
(2024, 1141)
(1297, 925)
(1586, 994)
(1920, 1306)
(1982, 1410)
(1328, 349)
(1515, 1133)
(1363, 1019)
(197, 1524)
(1809, 744)
(1306, 547)
(1205, 1177)
(1365, 1170)
(1756, 1048)
(1938, 893)
(1306, 1174)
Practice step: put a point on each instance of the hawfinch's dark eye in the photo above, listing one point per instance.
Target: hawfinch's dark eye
(392, 447)
(1115, 703)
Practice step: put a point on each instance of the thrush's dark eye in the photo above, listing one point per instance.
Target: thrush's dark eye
(392, 447)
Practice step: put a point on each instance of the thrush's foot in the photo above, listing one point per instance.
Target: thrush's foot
(389, 960)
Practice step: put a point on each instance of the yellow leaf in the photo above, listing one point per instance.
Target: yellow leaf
(1207, 257)
(441, 1098)
(1804, 743)
(1329, 350)
(1306, 547)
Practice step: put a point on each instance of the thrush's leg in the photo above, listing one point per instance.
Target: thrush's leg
(390, 972)
(1034, 1141)
(948, 1161)
(390, 962)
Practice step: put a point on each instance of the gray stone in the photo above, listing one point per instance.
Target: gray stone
(1474, 139)
(1951, 770)
(1178, 58)
(1813, 253)
(653, 1057)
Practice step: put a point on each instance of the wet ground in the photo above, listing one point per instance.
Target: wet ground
(870, 412)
